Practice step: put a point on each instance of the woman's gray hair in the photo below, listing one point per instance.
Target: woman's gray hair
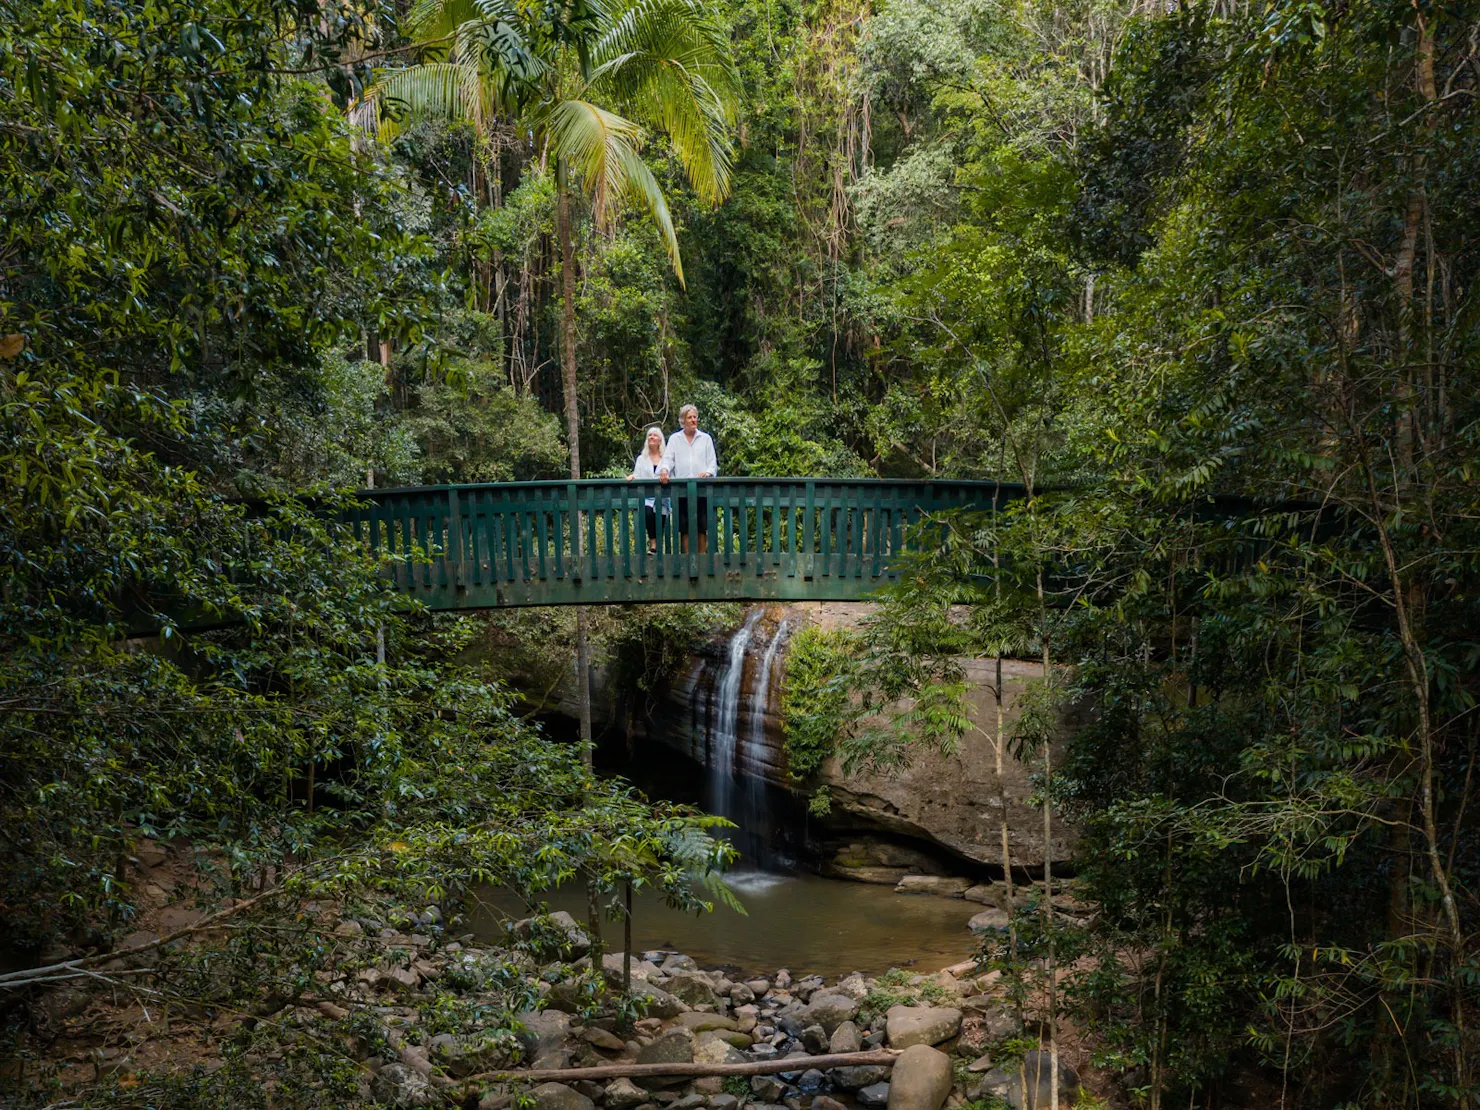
(685, 410)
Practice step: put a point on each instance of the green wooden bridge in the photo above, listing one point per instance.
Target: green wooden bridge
(586, 542)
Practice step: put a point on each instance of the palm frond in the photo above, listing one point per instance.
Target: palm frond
(602, 148)
(668, 61)
(449, 90)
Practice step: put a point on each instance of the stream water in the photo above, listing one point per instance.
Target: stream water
(805, 923)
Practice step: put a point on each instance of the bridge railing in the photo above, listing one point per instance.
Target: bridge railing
(532, 543)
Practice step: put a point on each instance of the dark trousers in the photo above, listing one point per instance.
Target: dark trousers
(683, 516)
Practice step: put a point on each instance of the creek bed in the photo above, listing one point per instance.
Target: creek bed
(806, 923)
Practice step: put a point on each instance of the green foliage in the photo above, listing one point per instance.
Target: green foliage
(815, 697)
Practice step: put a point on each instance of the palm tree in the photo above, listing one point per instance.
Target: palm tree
(588, 80)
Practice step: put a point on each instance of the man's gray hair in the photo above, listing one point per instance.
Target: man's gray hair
(684, 410)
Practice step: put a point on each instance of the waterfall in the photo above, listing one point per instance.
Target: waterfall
(753, 762)
(727, 720)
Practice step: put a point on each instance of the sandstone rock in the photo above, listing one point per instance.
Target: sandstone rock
(927, 1025)
(600, 1038)
(782, 979)
(858, 1076)
(709, 1085)
(986, 894)
(674, 1047)
(980, 1064)
(830, 1009)
(724, 1102)
(758, 987)
(544, 1032)
(873, 1097)
(691, 987)
(712, 1050)
(745, 1018)
(741, 994)
(557, 1096)
(691, 1101)
(766, 1088)
(814, 1039)
(623, 1094)
(660, 1004)
(845, 1038)
(1007, 1083)
(463, 1056)
(852, 986)
(822, 1102)
(349, 929)
(989, 921)
(1000, 1021)
(151, 853)
(400, 1086)
(557, 934)
(594, 1091)
(921, 1079)
(697, 1022)
(943, 885)
(678, 962)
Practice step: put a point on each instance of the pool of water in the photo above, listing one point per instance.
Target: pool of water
(805, 923)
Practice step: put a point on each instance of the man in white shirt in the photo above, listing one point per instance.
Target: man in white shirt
(690, 454)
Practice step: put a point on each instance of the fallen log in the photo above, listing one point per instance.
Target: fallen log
(885, 1056)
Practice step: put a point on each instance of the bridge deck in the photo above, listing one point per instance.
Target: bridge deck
(562, 543)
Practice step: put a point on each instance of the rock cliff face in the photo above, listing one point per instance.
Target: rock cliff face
(880, 823)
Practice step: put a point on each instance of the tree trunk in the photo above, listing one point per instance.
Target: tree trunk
(573, 435)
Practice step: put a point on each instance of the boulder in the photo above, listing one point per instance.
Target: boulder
(845, 1038)
(1000, 1021)
(556, 934)
(859, 1076)
(400, 1086)
(660, 1004)
(602, 1039)
(557, 1096)
(927, 1025)
(691, 987)
(674, 1047)
(594, 1091)
(921, 1079)
(830, 1009)
(1008, 1083)
(623, 1094)
(814, 1039)
(464, 1056)
(724, 1102)
(696, 1021)
(678, 962)
(852, 986)
(741, 994)
(989, 921)
(985, 894)
(766, 1088)
(943, 885)
(544, 1032)
(711, 1050)
(758, 987)
(873, 1097)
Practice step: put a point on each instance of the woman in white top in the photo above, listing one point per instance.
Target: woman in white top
(649, 462)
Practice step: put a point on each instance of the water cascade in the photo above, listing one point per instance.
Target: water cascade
(755, 840)
(726, 720)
